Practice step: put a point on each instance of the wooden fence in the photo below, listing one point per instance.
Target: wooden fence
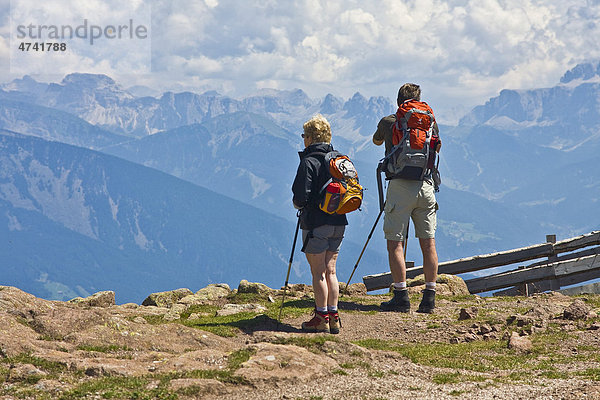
(552, 273)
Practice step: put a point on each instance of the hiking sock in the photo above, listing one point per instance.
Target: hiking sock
(332, 309)
(400, 285)
(321, 310)
(430, 285)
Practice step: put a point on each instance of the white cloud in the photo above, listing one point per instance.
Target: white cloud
(461, 51)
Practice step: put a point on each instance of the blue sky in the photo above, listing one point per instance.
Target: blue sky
(462, 52)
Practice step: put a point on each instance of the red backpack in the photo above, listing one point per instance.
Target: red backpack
(417, 118)
(413, 154)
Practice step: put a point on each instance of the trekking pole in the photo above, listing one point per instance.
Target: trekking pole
(406, 238)
(380, 167)
(363, 250)
(289, 268)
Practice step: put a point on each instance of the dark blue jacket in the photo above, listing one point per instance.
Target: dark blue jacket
(311, 176)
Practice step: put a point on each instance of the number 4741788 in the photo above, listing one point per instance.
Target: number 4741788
(35, 46)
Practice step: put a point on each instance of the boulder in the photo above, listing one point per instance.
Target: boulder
(355, 289)
(166, 299)
(210, 293)
(17, 302)
(255, 288)
(468, 313)
(298, 289)
(275, 362)
(24, 372)
(230, 309)
(67, 320)
(100, 299)
(446, 285)
(577, 310)
(15, 337)
(520, 344)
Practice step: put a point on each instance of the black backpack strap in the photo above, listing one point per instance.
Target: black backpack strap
(324, 166)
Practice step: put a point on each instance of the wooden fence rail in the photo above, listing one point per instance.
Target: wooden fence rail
(529, 275)
(556, 269)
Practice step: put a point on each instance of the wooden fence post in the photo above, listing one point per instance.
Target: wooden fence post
(553, 283)
(531, 288)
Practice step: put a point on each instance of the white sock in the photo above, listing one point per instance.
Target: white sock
(322, 310)
(430, 285)
(332, 309)
(400, 285)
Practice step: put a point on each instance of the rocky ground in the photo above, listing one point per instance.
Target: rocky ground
(218, 343)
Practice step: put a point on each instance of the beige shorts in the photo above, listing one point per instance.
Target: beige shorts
(414, 199)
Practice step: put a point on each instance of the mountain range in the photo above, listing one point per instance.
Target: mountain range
(104, 188)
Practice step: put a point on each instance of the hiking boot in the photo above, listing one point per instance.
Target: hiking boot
(319, 323)
(428, 302)
(334, 323)
(400, 302)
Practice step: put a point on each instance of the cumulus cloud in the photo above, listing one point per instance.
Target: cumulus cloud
(461, 51)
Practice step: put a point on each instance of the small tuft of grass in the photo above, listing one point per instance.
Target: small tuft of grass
(555, 375)
(238, 357)
(3, 374)
(445, 378)
(374, 373)
(456, 377)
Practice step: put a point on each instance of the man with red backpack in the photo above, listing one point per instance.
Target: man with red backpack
(411, 138)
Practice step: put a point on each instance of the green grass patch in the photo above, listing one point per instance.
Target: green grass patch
(137, 387)
(555, 374)
(119, 388)
(456, 377)
(291, 308)
(238, 357)
(246, 298)
(3, 374)
(26, 392)
(485, 356)
(199, 309)
(590, 373)
(51, 367)
(229, 325)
